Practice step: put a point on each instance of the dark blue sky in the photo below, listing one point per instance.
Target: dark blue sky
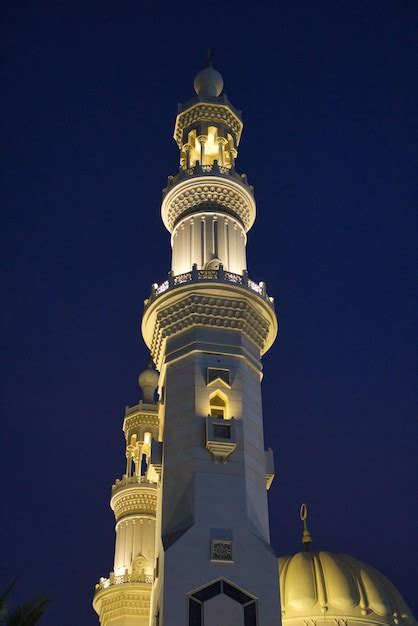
(329, 99)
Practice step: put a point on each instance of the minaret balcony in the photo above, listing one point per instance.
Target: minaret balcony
(134, 496)
(211, 298)
(129, 481)
(207, 170)
(123, 597)
(105, 583)
(218, 275)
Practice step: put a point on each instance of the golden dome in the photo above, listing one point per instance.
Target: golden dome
(337, 588)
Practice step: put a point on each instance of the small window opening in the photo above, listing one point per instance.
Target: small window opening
(221, 432)
(218, 407)
(216, 373)
(144, 464)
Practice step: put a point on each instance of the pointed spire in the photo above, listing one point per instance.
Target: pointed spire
(306, 536)
(209, 58)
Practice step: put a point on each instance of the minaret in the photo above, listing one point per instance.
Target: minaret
(205, 467)
(123, 599)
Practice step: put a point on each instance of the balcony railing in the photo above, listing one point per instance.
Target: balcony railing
(104, 583)
(127, 481)
(219, 275)
(206, 170)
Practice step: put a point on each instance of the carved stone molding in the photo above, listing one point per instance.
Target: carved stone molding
(139, 423)
(204, 112)
(221, 313)
(190, 193)
(129, 600)
(135, 499)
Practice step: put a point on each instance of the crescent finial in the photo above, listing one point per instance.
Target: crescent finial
(306, 536)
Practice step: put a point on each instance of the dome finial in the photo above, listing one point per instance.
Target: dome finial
(306, 536)
(208, 82)
(148, 382)
(209, 58)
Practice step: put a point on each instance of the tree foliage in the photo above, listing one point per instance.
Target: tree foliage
(27, 614)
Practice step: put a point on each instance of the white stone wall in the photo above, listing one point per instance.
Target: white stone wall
(135, 536)
(204, 500)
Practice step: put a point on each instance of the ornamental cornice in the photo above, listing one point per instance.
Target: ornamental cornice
(140, 421)
(219, 307)
(131, 599)
(204, 112)
(340, 619)
(134, 499)
(142, 407)
(192, 192)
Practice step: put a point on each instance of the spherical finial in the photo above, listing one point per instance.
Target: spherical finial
(306, 537)
(148, 381)
(209, 82)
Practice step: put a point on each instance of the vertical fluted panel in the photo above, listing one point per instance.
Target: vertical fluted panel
(204, 238)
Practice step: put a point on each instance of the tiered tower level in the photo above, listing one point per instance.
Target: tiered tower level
(192, 528)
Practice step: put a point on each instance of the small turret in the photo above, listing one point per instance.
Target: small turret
(208, 128)
(208, 207)
(134, 503)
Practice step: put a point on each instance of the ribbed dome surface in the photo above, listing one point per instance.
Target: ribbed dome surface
(338, 587)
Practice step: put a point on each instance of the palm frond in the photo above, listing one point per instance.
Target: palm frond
(28, 613)
(3, 600)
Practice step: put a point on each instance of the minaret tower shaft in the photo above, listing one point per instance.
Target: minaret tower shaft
(207, 326)
(123, 599)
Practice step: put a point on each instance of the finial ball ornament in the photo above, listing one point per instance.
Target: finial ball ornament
(208, 82)
(148, 382)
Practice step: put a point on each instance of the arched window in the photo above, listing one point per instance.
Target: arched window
(213, 264)
(218, 405)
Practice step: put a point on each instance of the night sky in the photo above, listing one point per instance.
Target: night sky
(329, 99)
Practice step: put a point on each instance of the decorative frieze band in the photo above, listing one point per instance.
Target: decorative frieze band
(204, 112)
(114, 603)
(235, 197)
(141, 422)
(135, 499)
(222, 313)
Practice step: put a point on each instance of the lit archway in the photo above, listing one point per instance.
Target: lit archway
(218, 403)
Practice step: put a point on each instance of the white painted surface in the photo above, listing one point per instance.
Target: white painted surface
(199, 495)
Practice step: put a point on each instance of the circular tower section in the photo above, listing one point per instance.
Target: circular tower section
(208, 207)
